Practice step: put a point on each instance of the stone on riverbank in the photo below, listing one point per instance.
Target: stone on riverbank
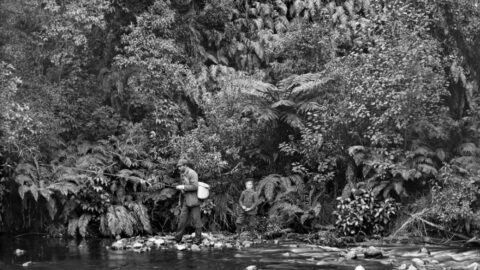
(418, 263)
(373, 252)
(351, 255)
(359, 267)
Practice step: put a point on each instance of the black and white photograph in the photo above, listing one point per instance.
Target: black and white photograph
(240, 134)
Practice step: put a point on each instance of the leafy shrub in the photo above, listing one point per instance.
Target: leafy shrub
(454, 195)
(363, 214)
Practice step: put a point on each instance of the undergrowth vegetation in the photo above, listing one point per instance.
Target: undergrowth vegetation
(353, 113)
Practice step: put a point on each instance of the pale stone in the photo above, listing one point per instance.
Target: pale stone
(411, 267)
(195, 247)
(251, 267)
(351, 255)
(19, 252)
(418, 262)
(27, 264)
(359, 268)
(373, 252)
(247, 244)
(137, 245)
(180, 247)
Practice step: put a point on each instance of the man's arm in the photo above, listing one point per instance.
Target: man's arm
(193, 180)
(240, 201)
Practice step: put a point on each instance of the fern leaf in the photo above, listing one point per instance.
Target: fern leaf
(305, 107)
(104, 226)
(423, 151)
(34, 191)
(22, 190)
(83, 224)
(141, 213)
(292, 120)
(72, 226)
(51, 208)
(467, 149)
(283, 103)
(22, 179)
(427, 169)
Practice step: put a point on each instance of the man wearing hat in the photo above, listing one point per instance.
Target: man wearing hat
(190, 202)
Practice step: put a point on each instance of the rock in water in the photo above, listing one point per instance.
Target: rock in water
(411, 267)
(195, 247)
(251, 267)
(218, 245)
(27, 264)
(359, 268)
(425, 251)
(120, 244)
(181, 247)
(351, 255)
(19, 252)
(247, 244)
(418, 263)
(137, 245)
(402, 267)
(474, 266)
(373, 252)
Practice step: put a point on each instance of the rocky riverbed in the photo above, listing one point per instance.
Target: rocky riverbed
(360, 257)
(219, 251)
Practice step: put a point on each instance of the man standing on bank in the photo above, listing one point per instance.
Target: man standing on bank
(190, 202)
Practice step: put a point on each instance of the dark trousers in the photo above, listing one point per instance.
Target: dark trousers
(194, 213)
(246, 218)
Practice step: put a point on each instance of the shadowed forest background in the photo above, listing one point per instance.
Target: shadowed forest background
(368, 101)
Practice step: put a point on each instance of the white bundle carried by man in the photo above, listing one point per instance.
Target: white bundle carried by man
(203, 190)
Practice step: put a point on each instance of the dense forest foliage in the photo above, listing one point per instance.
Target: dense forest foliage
(360, 114)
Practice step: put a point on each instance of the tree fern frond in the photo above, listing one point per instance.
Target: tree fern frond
(297, 180)
(267, 115)
(34, 191)
(72, 226)
(283, 104)
(292, 120)
(141, 213)
(83, 224)
(423, 151)
(64, 188)
(467, 149)
(22, 179)
(309, 106)
(306, 86)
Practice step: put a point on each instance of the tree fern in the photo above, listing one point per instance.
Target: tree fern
(72, 226)
(270, 186)
(83, 224)
(141, 214)
(468, 149)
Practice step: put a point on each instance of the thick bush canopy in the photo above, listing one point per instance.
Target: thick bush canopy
(356, 114)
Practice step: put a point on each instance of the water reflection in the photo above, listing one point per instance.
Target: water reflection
(81, 255)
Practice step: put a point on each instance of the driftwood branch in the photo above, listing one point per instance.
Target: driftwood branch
(418, 217)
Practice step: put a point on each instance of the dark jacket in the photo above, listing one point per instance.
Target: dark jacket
(190, 180)
(249, 199)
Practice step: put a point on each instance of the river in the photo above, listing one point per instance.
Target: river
(71, 254)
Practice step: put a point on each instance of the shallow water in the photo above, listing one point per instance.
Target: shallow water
(93, 254)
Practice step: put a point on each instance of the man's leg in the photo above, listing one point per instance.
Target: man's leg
(197, 221)
(182, 223)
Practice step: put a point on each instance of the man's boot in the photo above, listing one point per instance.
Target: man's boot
(198, 236)
(178, 237)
